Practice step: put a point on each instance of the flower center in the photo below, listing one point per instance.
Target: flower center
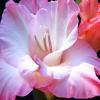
(46, 41)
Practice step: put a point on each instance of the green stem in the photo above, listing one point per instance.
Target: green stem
(78, 1)
(49, 96)
(38, 95)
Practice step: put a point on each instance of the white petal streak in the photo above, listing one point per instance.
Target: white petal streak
(14, 36)
(12, 84)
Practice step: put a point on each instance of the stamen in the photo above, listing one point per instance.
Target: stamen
(44, 41)
(39, 45)
(50, 45)
(47, 45)
(47, 40)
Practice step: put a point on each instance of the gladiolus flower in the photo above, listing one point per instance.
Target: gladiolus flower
(90, 22)
(40, 49)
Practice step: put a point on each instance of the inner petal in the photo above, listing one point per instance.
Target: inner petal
(53, 59)
(42, 44)
(52, 24)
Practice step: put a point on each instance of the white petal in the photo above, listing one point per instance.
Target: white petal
(12, 84)
(14, 36)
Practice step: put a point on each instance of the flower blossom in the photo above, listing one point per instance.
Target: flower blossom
(39, 49)
(90, 22)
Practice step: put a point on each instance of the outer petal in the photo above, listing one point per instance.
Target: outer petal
(78, 84)
(84, 54)
(33, 5)
(77, 74)
(89, 30)
(88, 9)
(12, 84)
(14, 36)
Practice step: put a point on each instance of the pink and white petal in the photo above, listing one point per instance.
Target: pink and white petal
(36, 41)
(78, 84)
(29, 4)
(57, 14)
(80, 60)
(58, 25)
(55, 72)
(67, 23)
(82, 50)
(34, 5)
(12, 84)
(14, 36)
(84, 53)
(76, 75)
